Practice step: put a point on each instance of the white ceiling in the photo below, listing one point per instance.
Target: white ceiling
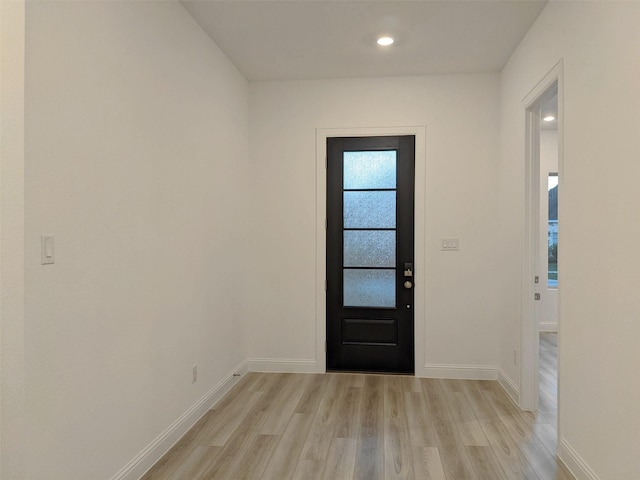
(306, 39)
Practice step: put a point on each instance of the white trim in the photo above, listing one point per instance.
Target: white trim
(460, 372)
(529, 348)
(548, 327)
(509, 387)
(153, 452)
(574, 463)
(283, 365)
(529, 328)
(420, 133)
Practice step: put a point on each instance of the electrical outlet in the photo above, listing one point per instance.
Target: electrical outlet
(194, 374)
(515, 357)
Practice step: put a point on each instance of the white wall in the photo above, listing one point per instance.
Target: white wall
(136, 155)
(460, 115)
(599, 301)
(136, 146)
(12, 385)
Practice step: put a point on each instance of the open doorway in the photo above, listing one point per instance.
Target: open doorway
(546, 310)
(542, 265)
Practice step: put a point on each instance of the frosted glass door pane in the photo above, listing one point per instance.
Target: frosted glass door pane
(364, 170)
(370, 248)
(370, 209)
(370, 288)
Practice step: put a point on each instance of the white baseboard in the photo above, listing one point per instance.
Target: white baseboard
(508, 386)
(574, 463)
(459, 372)
(282, 365)
(548, 327)
(150, 455)
(455, 371)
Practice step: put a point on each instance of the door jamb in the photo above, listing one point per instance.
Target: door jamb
(529, 330)
(419, 233)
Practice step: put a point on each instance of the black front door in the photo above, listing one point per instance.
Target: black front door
(370, 275)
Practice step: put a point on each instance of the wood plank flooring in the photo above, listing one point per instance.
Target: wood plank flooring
(548, 399)
(368, 427)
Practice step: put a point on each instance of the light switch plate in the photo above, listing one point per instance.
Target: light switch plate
(450, 244)
(47, 250)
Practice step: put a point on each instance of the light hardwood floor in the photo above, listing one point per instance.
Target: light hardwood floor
(548, 399)
(548, 385)
(347, 426)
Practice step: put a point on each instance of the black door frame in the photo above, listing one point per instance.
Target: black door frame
(348, 356)
(316, 363)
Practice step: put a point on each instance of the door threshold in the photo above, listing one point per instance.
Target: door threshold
(367, 372)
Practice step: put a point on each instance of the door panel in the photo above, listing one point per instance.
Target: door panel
(370, 210)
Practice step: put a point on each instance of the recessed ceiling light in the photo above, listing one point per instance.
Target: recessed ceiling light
(549, 118)
(385, 41)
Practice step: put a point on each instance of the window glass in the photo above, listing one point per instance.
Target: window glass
(369, 169)
(375, 209)
(370, 248)
(552, 280)
(369, 288)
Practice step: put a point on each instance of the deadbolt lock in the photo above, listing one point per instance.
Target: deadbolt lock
(408, 269)
(408, 284)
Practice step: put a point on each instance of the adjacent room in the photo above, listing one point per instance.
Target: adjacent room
(317, 239)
